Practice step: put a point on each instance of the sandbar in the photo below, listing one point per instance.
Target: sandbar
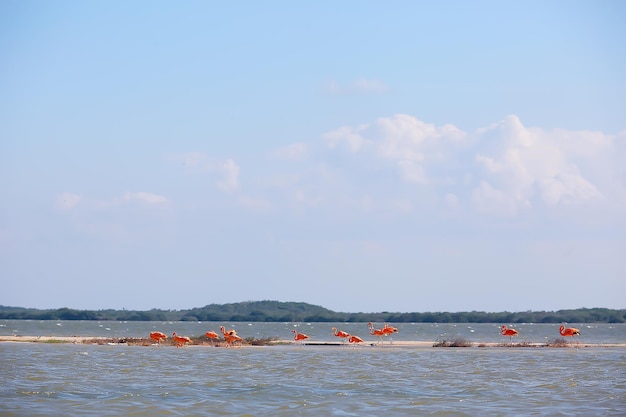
(394, 344)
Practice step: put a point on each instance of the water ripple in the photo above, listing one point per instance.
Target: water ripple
(51, 380)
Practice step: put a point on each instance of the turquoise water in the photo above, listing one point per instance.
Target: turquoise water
(43, 379)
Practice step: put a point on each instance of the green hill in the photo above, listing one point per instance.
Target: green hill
(277, 311)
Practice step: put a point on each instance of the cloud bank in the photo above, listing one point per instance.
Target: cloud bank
(402, 166)
(505, 168)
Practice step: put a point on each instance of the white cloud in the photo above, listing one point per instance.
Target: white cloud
(565, 188)
(359, 86)
(198, 162)
(348, 135)
(230, 179)
(67, 201)
(405, 137)
(505, 168)
(487, 199)
(533, 165)
(410, 143)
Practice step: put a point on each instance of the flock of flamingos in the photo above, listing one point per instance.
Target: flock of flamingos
(231, 337)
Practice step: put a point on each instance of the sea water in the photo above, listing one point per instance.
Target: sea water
(473, 332)
(50, 379)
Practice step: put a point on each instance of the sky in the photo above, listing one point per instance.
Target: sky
(365, 156)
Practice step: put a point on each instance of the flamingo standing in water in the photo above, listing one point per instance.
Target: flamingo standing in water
(569, 331)
(389, 330)
(376, 332)
(340, 333)
(505, 331)
(211, 335)
(355, 339)
(299, 337)
(231, 332)
(180, 341)
(230, 336)
(158, 337)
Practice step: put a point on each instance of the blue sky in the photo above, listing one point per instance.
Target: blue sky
(363, 156)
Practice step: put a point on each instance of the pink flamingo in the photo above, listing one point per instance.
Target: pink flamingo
(299, 337)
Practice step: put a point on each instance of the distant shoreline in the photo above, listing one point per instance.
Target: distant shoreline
(278, 311)
(91, 340)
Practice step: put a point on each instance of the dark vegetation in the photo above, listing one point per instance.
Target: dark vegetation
(460, 342)
(276, 311)
(453, 343)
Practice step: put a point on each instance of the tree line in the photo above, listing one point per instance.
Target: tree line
(276, 311)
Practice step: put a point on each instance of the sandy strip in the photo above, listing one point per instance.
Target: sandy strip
(395, 344)
(46, 339)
